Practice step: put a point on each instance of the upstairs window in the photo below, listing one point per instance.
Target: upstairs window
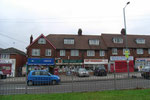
(140, 41)
(114, 51)
(94, 42)
(35, 52)
(48, 52)
(74, 52)
(102, 53)
(68, 41)
(5, 56)
(90, 53)
(148, 51)
(41, 41)
(139, 51)
(62, 53)
(117, 40)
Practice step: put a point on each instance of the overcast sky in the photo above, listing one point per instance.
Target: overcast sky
(21, 18)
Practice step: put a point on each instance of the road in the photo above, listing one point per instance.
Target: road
(75, 86)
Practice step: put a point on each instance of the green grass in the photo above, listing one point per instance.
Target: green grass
(143, 94)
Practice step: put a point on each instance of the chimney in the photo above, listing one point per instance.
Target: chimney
(31, 39)
(123, 31)
(80, 32)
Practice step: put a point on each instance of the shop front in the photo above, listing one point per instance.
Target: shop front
(65, 66)
(7, 66)
(121, 64)
(41, 64)
(141, 62)
(91, 64)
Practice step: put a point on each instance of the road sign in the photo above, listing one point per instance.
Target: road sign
(127, 54)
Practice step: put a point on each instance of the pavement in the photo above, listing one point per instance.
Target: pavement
(71, 78)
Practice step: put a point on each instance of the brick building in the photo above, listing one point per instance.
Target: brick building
(69, 51)
(138, 48)
(89, 51)
(11, 61)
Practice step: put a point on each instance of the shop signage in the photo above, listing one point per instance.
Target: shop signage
(40, 61)
(142, 59)
(69, 61)
(95, 61)
(117, 58)
(8, 61)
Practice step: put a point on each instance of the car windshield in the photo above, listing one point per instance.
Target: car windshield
(82, 69)
(102, 67)
(147, 67)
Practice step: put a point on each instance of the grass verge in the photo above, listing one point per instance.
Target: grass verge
(140, 94)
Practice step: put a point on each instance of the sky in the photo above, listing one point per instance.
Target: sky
(19, 19)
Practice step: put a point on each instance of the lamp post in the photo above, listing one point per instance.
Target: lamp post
(126, 35)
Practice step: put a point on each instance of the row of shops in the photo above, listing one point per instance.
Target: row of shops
(56, 66)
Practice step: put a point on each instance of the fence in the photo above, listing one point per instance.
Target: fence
(73, 83)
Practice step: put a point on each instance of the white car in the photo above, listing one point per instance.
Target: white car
(82, 72)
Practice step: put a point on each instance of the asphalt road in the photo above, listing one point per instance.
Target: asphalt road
(75, 86)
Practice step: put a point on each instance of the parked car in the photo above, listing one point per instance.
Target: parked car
(145, 72)
(2, 75)
(42, 77)
(100, 71)
(82, 72)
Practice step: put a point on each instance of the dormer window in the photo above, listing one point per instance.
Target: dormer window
(140, 41)
(41, 41)
(117, 40)
(94, 42)
(68, 41)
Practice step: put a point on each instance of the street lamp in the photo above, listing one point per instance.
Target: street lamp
(126, 35)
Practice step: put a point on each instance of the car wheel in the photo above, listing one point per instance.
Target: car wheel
(30, 83)
(54, 82)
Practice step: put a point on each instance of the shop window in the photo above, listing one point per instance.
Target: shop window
(48, 52)
(5, 56)
(35, 52)
(126, 50)
(102, 53)
(41, 41)
(74, 52)
(139, 51)
(90, 53)
(94, 42)
(114, 51)
(62, 53)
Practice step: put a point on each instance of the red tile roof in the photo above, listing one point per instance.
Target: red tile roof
(131, 41)
(80, 42)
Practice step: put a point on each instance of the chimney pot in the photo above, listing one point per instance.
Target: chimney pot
(123, 31)
(80, 32)
(31, 39)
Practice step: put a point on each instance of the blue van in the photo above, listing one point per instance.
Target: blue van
(42, 77)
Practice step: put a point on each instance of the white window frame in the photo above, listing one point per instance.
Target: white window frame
(37, 52)
(74, 52)
(68, 41)
(5, 56)
(94, 42)
(48, 52)
(114, 51)
(90, 53)
(62, 53)
(41, 41)
(140, 41)
(101, 53)
(117, 40)
(125, 50)
(148, 51)
(140, 51)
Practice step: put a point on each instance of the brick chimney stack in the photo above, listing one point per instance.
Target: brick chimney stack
(31, 39)
(123, 31)
(80, 32)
